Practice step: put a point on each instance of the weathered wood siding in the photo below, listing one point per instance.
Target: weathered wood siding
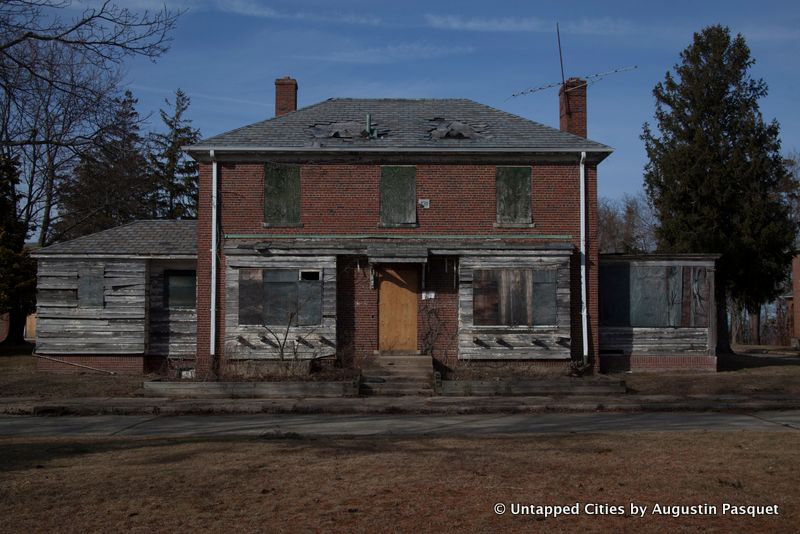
(632, 341)
(678, 338)
(173, 332)
(514, 342)
(304, 342)
(117, 326)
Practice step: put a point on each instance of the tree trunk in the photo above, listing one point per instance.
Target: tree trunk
(723, 337)
(49, 185)
(754, 324)
(16, 328)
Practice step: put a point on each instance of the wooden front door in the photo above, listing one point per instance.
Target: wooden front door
(398, 286)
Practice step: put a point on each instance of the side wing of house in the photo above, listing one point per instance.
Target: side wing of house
(121, 300)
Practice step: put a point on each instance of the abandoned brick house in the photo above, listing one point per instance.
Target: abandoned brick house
(357, 228)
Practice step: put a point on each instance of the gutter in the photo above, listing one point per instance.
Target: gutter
(393, 149)
(213, 307)
(584, 318)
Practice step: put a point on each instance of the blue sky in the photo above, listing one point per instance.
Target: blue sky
(227, 54)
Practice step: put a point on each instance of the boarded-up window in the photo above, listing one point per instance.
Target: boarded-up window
(250, 296)
(91, 287)
(277, 297)
(398, 195)
(513, 191)
(180, 289)
(281, 194)
(514, 297)
(655, 296)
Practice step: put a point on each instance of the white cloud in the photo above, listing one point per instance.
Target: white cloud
(251, 8)
(393, 53)
(170, 93)
(601, 26)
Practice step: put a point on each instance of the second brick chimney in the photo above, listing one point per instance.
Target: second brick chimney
(572, 107)
(285, 95)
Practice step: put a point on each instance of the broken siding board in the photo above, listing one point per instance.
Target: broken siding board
(69, 325)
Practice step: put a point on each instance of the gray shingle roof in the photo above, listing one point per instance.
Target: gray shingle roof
(401, 124)
(139, 238)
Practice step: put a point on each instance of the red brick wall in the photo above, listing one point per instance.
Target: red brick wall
(572, 107)
(659, 362)
(122, 364)
(437, 321)
(356, 310)
(285, 95)
(339, 199)
(345, 199)
(796, 299)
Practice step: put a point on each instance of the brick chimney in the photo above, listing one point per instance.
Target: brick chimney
(572, 107)
(285, 95)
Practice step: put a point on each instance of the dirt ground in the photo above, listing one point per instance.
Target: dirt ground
(399, 485)
(19, 378)
(751, 370)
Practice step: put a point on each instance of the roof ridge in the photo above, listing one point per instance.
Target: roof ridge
(311, 106)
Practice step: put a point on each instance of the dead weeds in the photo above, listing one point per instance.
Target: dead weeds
(391, 484)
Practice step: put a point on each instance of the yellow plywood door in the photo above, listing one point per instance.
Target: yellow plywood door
(398, 286)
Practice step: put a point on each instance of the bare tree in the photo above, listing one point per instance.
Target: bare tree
(626, 225)
(59, 75)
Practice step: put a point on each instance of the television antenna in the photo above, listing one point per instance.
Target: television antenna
(589, 78)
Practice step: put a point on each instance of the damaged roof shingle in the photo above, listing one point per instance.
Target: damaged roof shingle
(140, 238)
(402, 124)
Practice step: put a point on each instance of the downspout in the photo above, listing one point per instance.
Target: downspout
(213, 333)
(584, 317)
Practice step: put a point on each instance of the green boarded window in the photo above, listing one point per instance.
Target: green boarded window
(180, 289)
(281, 194)
(278, 297)
(514, 297)
(398, 195)
(513, 190)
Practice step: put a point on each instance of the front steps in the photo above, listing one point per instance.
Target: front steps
(395, 375)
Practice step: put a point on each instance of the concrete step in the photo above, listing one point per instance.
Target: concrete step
(424, 364)
(397, 389)
(386, 373)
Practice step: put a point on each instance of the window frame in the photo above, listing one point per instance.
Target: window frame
(94, 299)
(500, 220)
(382, 215)
(296, 208)
(298, 282)
(166, 297)
(531, 313)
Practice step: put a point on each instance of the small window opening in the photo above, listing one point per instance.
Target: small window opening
(309, 275)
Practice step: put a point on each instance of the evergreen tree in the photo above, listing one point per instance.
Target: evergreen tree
(17, 268)
(110, 185)
(174, 174)
(715, 175)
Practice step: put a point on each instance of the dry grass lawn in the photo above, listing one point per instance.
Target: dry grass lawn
(19, 378)
(390, 484)
(752, 370)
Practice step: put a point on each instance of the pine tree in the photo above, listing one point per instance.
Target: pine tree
(174, 174)
(17, 268)
(715, 175)
(110, 185)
